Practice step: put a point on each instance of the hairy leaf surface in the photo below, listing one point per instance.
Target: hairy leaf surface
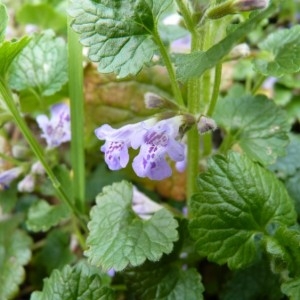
(118, 33)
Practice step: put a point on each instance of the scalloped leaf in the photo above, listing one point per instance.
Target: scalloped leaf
(119, 238)
(254, 124)
(119, 34)
(42, 216)
(14, 254)
(79, 282)
(238, 205)
(281, 51)
(42, 65)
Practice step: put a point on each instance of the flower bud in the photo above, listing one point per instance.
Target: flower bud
(240, 51)
(20, 151)
(206, 124)
(27, 184)
(234, 6)
(154, 101)
(37, 169)
(6, 177)
(246, 5)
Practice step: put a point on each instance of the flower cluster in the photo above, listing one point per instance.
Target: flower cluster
(56, 130)
(156, 140)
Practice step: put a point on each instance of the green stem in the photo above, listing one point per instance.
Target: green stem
(11, 159)
(5, 91)
(227, 143)
(77, 118)
(258, 84)
(193, 142)
(166, 58)
(185, 12)
(216, 89)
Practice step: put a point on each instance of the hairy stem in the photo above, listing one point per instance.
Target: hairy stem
(166, 58)
(77, 118)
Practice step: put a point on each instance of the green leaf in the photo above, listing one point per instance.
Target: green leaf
(118, 237)
(14, 254)
(195, 64)
(3, 21)
(291, 288)
(43, 15)
(9, 51)
(281, 53)
(255, 282)
(292, 185)
(42, 65)
(8, 198)
(56, 252)
(42, 216)
(254, 124)
(157, 281)
(119, 34)
(79, 282)
(238, 203)
(287, 165)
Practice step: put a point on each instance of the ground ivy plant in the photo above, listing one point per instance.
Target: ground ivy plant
(149, 149)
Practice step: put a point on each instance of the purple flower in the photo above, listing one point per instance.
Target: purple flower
(56, 130)
(8, 176)
(159, 141)
(119, 140)
(155, 139)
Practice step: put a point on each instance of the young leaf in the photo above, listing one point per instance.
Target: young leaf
(9, 51)
(254, 124)
(118, 33)
(3, 22)
(41, 66)
(42, 216)
(14, 254)
(238, 203)
(282, 53)
(118, 237)
(291, 288)
(79, 282)
(157, 281)
(195, 64)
